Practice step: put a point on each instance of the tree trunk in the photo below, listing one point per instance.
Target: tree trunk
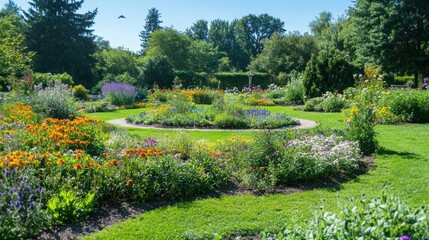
(416, 79)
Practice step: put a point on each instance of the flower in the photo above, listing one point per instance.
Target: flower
(277, 152)
(129, 182)
(177, 155)
(77, 166)
(251, 169)
(262, 168)
(60, 162)
(405, 237)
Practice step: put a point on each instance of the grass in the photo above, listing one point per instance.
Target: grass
(401, 168)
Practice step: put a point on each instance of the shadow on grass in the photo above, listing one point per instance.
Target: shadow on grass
(407, 155)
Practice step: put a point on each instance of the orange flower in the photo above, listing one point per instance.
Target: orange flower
(48, 163)
(77, 166)
(113, 163)
(129, 182)
(60, 162)
(251, 169)
(13, 165)
(262, 168)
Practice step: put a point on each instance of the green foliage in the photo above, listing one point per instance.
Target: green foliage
(252, 30)
(117, 65)
(152, 23)
(47, 79)
(170, 44)
(203, 57)
(62, 38)
(67, 206)
(21, 204)
(329, 102)
(284, 54)
(385, 217)
(240, 80)
(157, 71)
(191, 79)
(294, 92)
(381, 39)
(56, 101)
(14, 57)
(80, 92)
(328, 71)
(204, 97)
(225, 120)
(361, 128)
(199, 30)
(410, 105)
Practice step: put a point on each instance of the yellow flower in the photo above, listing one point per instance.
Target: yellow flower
(77, 167)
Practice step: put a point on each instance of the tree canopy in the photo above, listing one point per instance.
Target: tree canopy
(62, 38)
(152, 23)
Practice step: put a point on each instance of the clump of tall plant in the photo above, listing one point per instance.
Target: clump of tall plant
(119, 93)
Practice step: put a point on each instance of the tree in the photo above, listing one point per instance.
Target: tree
(327, 71)
(393, 34)
(285, 54)
(252, 30)
(170, 44)
(14, 57)
(152, 23)
(203, 57)
(114, 62)
(199, 30)
(321, 23)
(10, 8)
(61, 38)
(159, 71)
(222, 35)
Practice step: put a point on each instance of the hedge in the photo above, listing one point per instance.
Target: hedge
(240, 80)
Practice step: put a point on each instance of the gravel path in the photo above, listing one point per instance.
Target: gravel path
(123, 123)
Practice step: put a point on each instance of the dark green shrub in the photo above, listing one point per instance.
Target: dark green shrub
(192, 79)
(80, 92)
(204, 97)
(240, 80)
(328, 71)
(157, 71)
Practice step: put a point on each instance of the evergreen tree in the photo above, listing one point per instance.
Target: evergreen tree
(152, 24)
(61, 38)
(199, 30)
(10, 8)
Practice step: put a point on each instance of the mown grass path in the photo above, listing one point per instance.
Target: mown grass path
(401, 169)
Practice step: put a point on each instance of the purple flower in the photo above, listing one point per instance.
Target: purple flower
(405, 237)
(277, 152)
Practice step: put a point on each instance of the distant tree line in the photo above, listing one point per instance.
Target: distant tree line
(51, 36)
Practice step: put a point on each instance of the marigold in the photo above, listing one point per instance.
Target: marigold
(60, 162)
(261, 168)
(251, 169)
(77, 166)
(129, 182)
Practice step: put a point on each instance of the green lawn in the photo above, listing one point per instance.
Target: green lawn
(401, 168)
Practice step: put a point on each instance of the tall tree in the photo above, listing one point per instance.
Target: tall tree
(252, 30)
(199, 30)
(222, 34)
(203, 57)
(170, 44)
(285, 54)
(62, 38)
(10, 8)
(13, 55)
(321, 23)
(394, 34)
(152, 23)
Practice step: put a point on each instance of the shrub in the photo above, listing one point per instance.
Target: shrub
(328, 71)
(56, 101)
(119, 93)
(294, 92)
(203, 97)
(226, 120)
(240, 80)
(47, 79)
(379, 218)
(361, 128)
(68, 207)
(410, 105)
(313, 104)
(157, 71)
(80, 92)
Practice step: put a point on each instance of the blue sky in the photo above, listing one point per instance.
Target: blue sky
(296, 14)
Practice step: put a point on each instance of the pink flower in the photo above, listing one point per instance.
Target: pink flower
(177, 155)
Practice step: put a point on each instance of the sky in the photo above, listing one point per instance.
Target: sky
(181, 14)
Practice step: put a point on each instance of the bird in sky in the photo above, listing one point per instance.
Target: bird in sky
(122, 16)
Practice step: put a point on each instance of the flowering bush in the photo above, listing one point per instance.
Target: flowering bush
(329, 102)
(55, 101)
(21, 204)
(119, 93)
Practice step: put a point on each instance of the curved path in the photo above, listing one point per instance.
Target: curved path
(123, 123)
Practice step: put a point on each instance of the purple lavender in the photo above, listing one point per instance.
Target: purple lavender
(119, 93)
(258, 113)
